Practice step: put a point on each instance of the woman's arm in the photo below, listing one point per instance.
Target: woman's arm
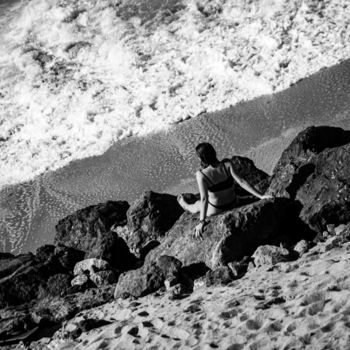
(244, 184)
(203, 191)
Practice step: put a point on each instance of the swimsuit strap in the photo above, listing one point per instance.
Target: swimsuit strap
(210, 182)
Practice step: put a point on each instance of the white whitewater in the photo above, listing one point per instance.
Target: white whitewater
(76, 76)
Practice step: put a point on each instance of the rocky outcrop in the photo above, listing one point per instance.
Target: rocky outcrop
(247, 170)
(93, 272)
(325, 195)
(89, 230)
(295, 164)
(149, 278)
(232, 235)
(270, 255)
(113, 249)
(150, 217)
(83, 229)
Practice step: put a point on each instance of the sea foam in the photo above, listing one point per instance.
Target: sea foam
(77, 76)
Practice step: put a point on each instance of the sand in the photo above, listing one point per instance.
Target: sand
(303, 304)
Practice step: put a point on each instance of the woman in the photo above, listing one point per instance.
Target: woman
(216, 186)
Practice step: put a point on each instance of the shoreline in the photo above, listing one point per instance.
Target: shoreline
(259, 129)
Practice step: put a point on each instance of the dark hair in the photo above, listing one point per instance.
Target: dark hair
(207, 154)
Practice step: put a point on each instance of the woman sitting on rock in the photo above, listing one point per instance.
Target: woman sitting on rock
(216, 187)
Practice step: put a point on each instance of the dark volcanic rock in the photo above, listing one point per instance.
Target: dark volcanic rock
(45, 252)
(232, 235)
(150, 217)
(147, 279)
(294, 166)
(220, 276)
(325, 195)
(85, 227)
(10, 263)
(58, 284)
(114, 250)
(247, 170)
(24, 285)
(67, 257)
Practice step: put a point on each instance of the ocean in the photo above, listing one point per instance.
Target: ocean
(104, 99)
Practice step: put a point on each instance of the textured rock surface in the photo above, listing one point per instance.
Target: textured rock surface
(295, 164)
(325, 195)
(150, 217)
(89, 266)
(230, 236)
(220, 276)
(83, 229)
(246, 168)
(147, 279)
(270, 255)
(113, 249)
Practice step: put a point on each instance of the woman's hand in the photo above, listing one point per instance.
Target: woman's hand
(198, 230)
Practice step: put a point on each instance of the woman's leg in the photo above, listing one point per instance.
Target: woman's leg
(192, 208)
(196, 207)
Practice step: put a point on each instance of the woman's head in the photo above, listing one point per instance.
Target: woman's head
(206, 153)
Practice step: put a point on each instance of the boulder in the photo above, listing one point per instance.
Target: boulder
(85, 227)
(220, 276)
(150, 217)
(147, 279)
(103, 278)
(247, 170)
(325, 195)
(232, 235)
(10, 263)
(294, 166)
(270, 255)
(45, 252)
(113, 249)
(23, 285)
(67, 257)
(58, 284)
(89, 266)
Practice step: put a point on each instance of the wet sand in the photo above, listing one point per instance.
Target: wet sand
(165, 161)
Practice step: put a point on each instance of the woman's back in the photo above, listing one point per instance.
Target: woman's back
(220, 184)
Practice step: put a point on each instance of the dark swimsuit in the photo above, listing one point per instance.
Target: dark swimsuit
(221, 186)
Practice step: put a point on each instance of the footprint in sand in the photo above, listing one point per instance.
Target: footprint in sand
(235, 347)
(253, 325)
(226, 315)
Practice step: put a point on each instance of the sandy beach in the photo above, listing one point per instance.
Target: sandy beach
(293, 305)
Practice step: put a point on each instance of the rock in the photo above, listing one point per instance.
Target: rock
(81, 281)
(270, 255)
(68, 257)
(301, 247)
(220, 276)
(58, 284)
(325, 196)
(150, 217)
(246, 169)
(85, 227)
(147, 279)
(232, 235)
(103, 278)
(179, 291)
(294, 166)
(45, 252)
(113, 249)
(24, 285)
(89, 266)
(10, 263)
(332, 243)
